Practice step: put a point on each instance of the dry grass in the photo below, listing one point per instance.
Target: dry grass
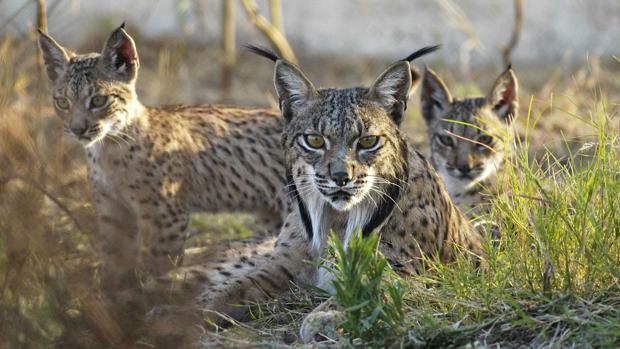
(48, 265)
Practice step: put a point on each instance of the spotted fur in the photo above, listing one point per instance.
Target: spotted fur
(388, 189)
(470, 138)
(151, 167)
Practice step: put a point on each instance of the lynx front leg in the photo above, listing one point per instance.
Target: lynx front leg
(117, 243)
(262, 278)
(162, 228)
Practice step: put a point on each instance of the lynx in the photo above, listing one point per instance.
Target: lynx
(469, 138)
(348, 167)
(149, 168)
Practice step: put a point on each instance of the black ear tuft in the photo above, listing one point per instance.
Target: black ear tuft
(421, 52)
(263, 52)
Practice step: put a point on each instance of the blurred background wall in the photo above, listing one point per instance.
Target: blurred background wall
(472, 31)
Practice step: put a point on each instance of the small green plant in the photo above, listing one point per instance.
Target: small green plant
(367, 289)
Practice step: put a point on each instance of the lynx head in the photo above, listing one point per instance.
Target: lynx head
(93, 93)
(468, 137)
(345, 155)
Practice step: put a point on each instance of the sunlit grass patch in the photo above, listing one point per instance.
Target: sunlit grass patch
(553, 279)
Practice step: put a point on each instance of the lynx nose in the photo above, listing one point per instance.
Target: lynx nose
(464, 168)
(341, 178)
(79, 130)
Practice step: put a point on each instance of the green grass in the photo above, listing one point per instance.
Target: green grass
(367, 289)
(553, 280)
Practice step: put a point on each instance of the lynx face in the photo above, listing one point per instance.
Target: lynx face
(343, 148)
(343, 156)
(468, 138)
(94, 93)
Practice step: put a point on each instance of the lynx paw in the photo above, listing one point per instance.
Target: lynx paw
(322, 323)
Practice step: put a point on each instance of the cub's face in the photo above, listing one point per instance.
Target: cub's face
(93, 93)
(468, 138)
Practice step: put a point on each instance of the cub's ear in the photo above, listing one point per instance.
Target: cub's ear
(54, 56)
(293, 88)
(391, 89)
(504, 97)
(119, 58)
(435, 96)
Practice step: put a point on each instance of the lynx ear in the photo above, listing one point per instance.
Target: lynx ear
(416, 77)
(119, 58)
(294, 89)
(55, 57)
(435, 97)
(504, 97)
(391, 89)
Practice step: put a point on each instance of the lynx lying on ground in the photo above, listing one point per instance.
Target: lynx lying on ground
(348, 166)
(151, 167)
(469, 137)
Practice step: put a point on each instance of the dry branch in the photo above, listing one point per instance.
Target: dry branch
(516, 33)
(42, 26)
(228, 45)
(275, 14)
(269, 29)
(41, 16)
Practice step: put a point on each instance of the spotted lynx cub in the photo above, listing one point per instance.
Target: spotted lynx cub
(349, 166)
(469, 137)
(149, 168)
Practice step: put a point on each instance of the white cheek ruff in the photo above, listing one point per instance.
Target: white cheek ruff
(358, 218)
(315, 204)
(360, 209)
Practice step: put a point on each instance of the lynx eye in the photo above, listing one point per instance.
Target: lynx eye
(314, 141)
(367, 142)
(446, 140)
(62, 103)
(486, 140)
(98, 101)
